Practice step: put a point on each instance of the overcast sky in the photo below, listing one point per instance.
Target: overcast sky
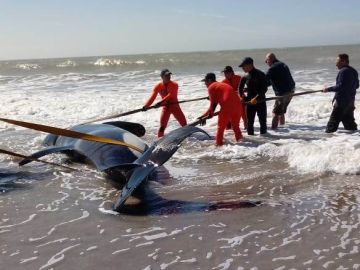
(65, 28)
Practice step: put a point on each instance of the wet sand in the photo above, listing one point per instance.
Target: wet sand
(54, 219)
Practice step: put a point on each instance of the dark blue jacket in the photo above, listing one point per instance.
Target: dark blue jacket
(280, 78)
(256, 84)
(347, 81)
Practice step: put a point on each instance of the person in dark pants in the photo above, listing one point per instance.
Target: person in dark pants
(256, 83)
(347, 81)
(283, 84)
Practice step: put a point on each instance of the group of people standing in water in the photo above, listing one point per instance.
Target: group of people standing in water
(244, 98)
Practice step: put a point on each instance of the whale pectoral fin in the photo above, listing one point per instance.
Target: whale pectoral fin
(134, 128)
(137, 177)
(44, 152)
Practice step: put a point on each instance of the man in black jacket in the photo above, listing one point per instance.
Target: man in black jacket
(256, 83)
(347, 81)
(282, 82)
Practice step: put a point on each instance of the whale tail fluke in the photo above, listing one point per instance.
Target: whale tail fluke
(161, 151)
(134, 128)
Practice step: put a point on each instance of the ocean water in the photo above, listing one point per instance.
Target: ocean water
(306, 182)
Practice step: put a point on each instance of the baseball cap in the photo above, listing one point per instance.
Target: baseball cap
(228, 69)
(246, 61)
(209, 76)
(165, 72)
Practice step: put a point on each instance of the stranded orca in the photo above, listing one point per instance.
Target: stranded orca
(122, 164)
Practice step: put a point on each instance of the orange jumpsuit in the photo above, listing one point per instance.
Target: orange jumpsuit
(234, 82)
(223, 94)
(168, 93)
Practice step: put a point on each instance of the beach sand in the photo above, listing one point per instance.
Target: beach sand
(268, 217)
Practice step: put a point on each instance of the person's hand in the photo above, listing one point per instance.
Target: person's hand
(144, 109)
(325, 89)
(208, 98)
(253, 101)
(202, 122)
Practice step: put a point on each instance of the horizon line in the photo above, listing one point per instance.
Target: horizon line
(181, 52)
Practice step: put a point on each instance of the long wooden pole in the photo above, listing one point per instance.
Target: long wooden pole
(140, 110)
(11, 153)
(69, 133)
(289, 95)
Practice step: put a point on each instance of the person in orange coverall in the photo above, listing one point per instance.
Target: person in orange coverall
(223, 94)
(168, 91)
(234, 80)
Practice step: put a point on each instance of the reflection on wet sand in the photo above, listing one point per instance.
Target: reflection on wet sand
(150, 203)
(11, 180)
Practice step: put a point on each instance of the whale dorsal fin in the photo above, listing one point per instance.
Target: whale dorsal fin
(134, 128)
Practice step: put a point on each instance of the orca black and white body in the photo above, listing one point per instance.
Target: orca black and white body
(125, 165)
(112, 159)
